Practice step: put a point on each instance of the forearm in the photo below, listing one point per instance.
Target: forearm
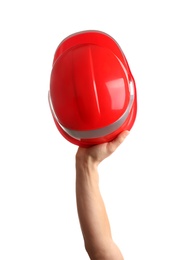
(92, 214)
(91, 209)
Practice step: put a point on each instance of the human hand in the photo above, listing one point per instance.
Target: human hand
(98, 153)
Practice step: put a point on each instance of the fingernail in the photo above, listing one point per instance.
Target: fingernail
(126, 132)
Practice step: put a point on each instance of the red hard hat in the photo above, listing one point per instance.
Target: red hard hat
(92, 91)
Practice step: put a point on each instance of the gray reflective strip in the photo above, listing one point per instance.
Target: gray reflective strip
(96, 133)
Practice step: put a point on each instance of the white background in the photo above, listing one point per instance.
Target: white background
(141, 182)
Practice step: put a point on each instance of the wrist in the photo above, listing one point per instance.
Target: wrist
(86, 170)
(86, 163)
(86, 159)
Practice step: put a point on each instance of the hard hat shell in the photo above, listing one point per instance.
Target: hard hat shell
(92, 92)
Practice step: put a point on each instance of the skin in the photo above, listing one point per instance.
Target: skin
(92, 214)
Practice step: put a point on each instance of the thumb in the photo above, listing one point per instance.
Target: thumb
(123, 135)
(118, 140)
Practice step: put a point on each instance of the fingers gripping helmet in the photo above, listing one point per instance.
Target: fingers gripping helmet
(92, 92)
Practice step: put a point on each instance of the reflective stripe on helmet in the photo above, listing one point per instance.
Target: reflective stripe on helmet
(100, 132)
